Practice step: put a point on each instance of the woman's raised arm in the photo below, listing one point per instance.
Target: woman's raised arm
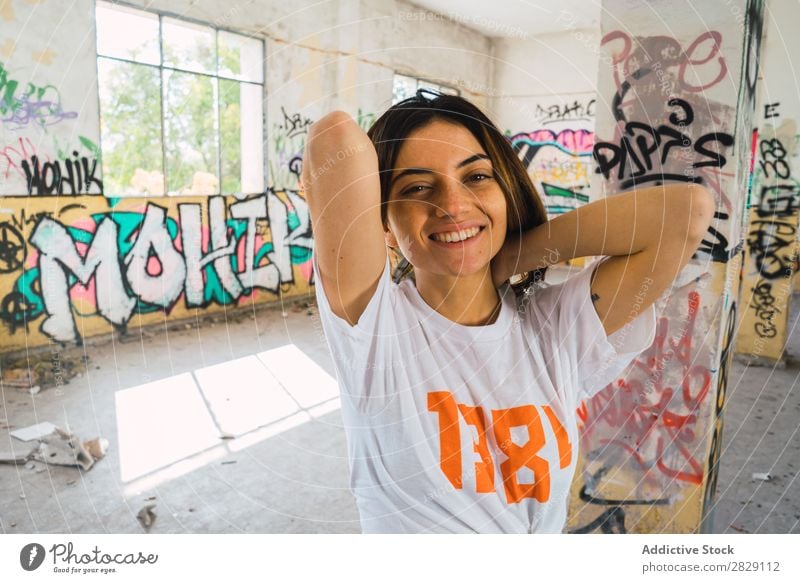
(342, 187)
(650, 234)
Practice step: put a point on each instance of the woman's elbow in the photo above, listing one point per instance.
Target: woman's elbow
(331, 127)
(701, 205)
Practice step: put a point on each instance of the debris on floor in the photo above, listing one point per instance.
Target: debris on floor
(57, 447)
(97, 447)
(35, 376)
(10, 457)
(34, 431)
(62, 448)
(147, 516)
(763, 476)
(17, 377)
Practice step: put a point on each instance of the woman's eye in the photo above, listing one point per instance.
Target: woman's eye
(414, 189)
(480, 177)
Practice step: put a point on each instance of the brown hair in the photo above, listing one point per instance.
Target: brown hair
(525, 208)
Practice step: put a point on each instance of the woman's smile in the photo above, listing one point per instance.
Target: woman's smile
(457, 239)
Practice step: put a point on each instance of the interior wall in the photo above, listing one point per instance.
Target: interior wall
(771, 250)
(319, 57)
(544, 98)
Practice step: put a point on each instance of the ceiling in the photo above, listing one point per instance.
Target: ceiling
(518, 18)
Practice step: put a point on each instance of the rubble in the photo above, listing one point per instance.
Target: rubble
(147, 516)
(55, 446)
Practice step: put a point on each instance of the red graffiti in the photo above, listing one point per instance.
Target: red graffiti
(661, 433)
(702, 60)
(11, 157)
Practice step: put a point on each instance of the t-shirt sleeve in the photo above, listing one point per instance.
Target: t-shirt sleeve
(571, 323)
(359, 351)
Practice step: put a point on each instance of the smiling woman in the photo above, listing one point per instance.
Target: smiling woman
(458, 394)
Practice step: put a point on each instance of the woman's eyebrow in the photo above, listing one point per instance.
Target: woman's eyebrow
(411, 171)
(472, 159)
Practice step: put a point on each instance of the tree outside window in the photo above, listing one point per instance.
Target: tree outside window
(181, 106)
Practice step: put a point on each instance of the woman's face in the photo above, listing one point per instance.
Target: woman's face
(446, 211)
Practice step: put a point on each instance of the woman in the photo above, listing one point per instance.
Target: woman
(459, 395)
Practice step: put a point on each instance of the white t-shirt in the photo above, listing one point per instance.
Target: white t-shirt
(461, 429)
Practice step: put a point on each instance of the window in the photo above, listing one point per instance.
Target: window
(181, 106)
(405, 86)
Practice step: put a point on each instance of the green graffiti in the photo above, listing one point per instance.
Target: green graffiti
(28, 303)
(91, 146)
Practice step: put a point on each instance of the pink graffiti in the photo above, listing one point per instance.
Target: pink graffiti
(655, 432)
(574, 141)
(703, 58)
(11, 157)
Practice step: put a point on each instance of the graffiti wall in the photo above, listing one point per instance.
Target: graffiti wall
(295, 77)
(556, 147)
(76, 268)
(49, 120)
(678, 109)
(771, 248)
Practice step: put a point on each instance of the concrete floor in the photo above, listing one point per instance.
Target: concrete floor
(288, 473)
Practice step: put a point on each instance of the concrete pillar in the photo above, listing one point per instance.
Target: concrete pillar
(770, 248)
(676, 87)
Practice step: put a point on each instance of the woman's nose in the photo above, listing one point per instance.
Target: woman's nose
(453, 200)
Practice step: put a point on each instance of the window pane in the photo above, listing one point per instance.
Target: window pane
(191, 133)
(428, 85)
(127, 34)
(240, 57)
(130, 128)
(188, 46)
(241, 136)
(403, 87)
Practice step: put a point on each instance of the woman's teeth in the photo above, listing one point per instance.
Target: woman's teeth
(456, 236)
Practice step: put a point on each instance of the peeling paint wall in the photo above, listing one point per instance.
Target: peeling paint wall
(771, 247)
(49, 120)
(675, 97)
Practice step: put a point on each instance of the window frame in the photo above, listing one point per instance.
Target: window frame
(216, 77)
(422, 80)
